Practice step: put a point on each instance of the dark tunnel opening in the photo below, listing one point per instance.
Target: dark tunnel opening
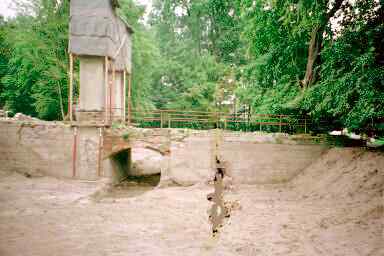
(125, 183)
(122, 164)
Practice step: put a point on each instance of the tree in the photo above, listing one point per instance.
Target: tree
(145, 55)
(34, 70)
(198, 42)
(316, 41)
(4, 55)
(36, 77)
(195, 55)
(352, 74)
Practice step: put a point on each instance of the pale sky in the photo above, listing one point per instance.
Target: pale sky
(4, 8)
(147, 3)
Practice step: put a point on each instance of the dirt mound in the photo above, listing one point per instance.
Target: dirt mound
(343, 173)
(349, 184)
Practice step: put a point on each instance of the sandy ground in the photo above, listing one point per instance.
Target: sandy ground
(335, 207)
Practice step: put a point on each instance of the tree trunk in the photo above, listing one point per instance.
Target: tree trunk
(313, 53)
(61, 102)
(315, 43)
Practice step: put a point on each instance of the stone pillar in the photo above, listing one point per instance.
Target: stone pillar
(87, 159)
(118, 96)
(92, 89)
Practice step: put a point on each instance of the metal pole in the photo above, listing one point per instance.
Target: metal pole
(280, 122)
(74, 152)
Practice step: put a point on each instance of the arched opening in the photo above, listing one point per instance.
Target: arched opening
(135, 172)
(121, 165)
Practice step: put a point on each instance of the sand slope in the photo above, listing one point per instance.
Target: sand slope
(334, 207)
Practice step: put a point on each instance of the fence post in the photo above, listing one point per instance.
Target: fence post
(305, 125)
(217, 121)
(169, 116)
(161, 119)
(280, 123)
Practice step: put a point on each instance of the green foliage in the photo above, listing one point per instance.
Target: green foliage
(4, 56)
(198, 42)
(199, 55)
(349, 89)
(34, 59)
(36, 74)
(145, 55)
(277, 33)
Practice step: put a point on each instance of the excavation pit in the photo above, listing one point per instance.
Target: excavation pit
(288, 199)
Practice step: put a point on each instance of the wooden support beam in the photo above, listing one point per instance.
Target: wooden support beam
(124, 98)
(111, 87)
(129, 98)
(70, 94)
(106, 77)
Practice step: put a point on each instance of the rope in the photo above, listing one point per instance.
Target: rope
(120, 47)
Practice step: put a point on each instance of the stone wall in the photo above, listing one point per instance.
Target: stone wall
(88, 154)
(91, 117)
(54, 149)
(36, 149)
(251, 158)
(251, 163)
